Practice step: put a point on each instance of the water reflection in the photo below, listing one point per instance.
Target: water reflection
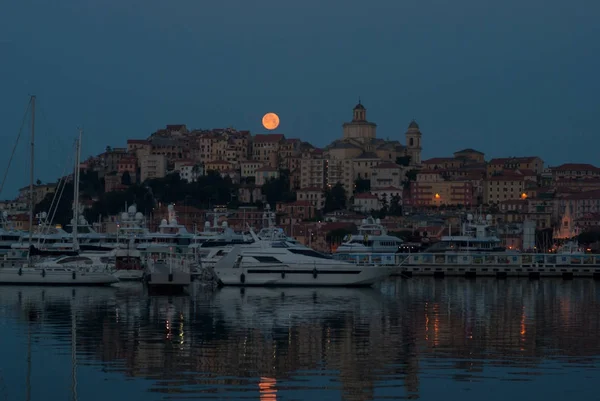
(404, 339)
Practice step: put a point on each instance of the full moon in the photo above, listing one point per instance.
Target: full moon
(270, 121)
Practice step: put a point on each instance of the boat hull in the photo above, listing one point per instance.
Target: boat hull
(348, 276)
(129, 275)
(34, 276)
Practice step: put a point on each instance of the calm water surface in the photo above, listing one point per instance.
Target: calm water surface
(406, 339)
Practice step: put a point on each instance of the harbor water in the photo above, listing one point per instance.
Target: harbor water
(419, 338)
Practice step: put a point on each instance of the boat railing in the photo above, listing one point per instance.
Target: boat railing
(472, 259)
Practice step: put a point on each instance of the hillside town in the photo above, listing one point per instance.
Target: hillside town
(316, 192)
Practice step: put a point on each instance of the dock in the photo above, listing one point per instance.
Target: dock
(165, 277)
(500, 264)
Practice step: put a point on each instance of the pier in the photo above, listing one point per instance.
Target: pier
(498, 265)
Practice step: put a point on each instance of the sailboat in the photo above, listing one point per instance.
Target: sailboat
(73, 273)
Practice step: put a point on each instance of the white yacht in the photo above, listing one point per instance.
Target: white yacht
(283, 265)
(8, 235)
(372, 237)
(65, 270)
(170, 234)
(477, 235)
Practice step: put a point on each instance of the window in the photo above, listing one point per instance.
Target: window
(266, 259)
(310, 253)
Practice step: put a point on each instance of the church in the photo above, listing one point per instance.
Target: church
(359, 151)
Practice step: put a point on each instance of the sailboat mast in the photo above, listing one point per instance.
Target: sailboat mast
(31, 201)
(76, 192)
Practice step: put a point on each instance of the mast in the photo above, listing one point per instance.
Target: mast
(31, 165)
(76, 192)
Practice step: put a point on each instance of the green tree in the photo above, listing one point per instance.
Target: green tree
(126, 178)
(403, 160)
(337, 235)
(63, 207)
(362, 185)
(411, 175)
(335, 198)
(278, 189)
(395, 209)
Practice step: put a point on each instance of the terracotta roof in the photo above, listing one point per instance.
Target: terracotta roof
(395, 189)
(267, 168)
(584, 195)
(387, 165)
(365, 195)
(469, 150)
(268, 137)
(218, 162)
(506, 160)
(575, 166)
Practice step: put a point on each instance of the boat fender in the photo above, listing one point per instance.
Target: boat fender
(43, 272)
(74, 275)
(243, 278)
(282, 274)
(315, 272)
(170, 277)
(20, 271)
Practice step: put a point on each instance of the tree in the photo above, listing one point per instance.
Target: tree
(362, 185)
(337, 235)
(395, 209)
(588, 237)
(403, 160)
(126, 178)
(38, 182)
(335, 198)
(278, 189)
(411, 175)
(63, 206)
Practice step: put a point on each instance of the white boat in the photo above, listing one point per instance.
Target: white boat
(477, 235)
(56, 276)
(128, 264)
(372, 237)
(290, 266)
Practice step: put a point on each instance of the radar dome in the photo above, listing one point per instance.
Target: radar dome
(224, 224)
(44, 215)
(82, 220)
(488, 217)
(207, 224)
(132, 209)
(124, 216)
(139, 216)
(163, 222)
(469, 217)
(73, 221)
(364, 221)
(378, 221)
(173, 222)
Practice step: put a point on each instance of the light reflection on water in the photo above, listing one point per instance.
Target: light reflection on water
(405, 339)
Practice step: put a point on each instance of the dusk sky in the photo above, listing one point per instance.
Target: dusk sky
(508, 78)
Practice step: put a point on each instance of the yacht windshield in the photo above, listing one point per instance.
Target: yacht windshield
(309, 252)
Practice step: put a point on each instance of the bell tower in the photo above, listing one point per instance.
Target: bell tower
(359, 128)
(413, 143)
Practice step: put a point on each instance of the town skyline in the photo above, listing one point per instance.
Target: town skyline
(12, 186)
(505, 78)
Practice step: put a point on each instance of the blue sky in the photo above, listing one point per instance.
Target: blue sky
(509, 78)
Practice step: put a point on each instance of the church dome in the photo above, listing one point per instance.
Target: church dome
(359, 106)
(413, 124)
